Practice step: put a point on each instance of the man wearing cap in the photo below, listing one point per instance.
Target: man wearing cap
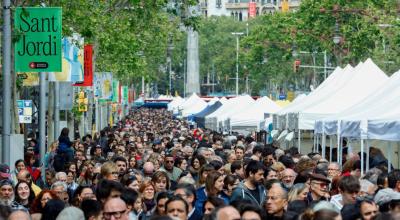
(4, 171)
(318, 188)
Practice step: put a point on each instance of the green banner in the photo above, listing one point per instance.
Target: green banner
(38, 46)
(125, 96)
(115, 88)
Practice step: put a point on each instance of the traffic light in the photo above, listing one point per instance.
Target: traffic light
(296, 66)
(82, 102)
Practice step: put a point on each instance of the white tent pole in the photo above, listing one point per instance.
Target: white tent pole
(323, 145)
(338, 151)
(367, 150)
(299, 141)
(330, 148)
(314, 141)
(317, 145)
(362, 157)
(389, 156)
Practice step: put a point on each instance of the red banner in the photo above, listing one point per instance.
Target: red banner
(88, 67)
(252, 9)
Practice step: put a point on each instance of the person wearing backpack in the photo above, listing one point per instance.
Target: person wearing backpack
(65, 146)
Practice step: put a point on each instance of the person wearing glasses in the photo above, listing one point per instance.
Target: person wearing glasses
(172, 171)
(319, 189)
(115, 208)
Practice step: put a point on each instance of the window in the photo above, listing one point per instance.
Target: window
(218, 4)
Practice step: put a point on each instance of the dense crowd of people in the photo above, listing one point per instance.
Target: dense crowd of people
(154, 166)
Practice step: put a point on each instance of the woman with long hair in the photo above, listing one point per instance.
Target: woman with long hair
(298, 191)
(40, 201)
(24, 194)
(65, 145)
(148, 192)
(195, 164)
(214, 187)
(161, 181)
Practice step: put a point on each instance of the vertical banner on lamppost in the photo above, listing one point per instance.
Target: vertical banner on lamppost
(252, 9)
(38, 45)
(87, 67)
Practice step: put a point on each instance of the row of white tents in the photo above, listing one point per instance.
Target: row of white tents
(241, 113)
(359, 102)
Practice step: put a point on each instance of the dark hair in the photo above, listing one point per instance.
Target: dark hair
(178, 161)
(127, 179)
(37, 205)
(31, 193)
(129, 196)
(105, 187)
(52, 208)
(119, 158)
(236, 165)
(159, 174)
(19, 161)
(393, 178)
(349, 184)
(162, 195)
(177, 198)
(212, 177)
(230, 180)
(245, 207)
(80, 188)
(200, 158)
(258, 149)
(253, 167)
(326, 214)
(287, 161)
(91, 208)
(64, 132)
(215, 201)
(216, 164)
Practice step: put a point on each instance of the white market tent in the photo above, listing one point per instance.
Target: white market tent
(214, 120)
(212, 101)
(253, 116)
(380, 110)
(176, 101)
(223, 100)
(365, 81)
(334, 82)
(194, 104)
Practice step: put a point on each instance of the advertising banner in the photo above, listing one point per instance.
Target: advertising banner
(38, 43)
(103, 86)
(88, 67)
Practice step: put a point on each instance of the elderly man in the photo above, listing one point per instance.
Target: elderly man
(276, 202)
(287, 177)
(61, 176)
(24, 175)
(225, 213)
(7, 194)
(333, 170)
(148, 169)
(62, 191)
(318, 188)
(115, 208)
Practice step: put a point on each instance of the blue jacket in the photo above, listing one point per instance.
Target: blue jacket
(241, 192)
(201, 197)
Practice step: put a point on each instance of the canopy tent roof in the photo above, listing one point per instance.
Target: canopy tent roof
(199, 118)
(223, 100)
(176, 101)
(254, 114)
(212, 101)
(233, 105)
(365, 81)
(192, 105)
(375, 117)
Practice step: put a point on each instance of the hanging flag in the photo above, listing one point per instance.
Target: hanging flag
(252, 9)
(88, 67)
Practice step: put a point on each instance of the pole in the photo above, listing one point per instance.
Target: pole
(323, 145)
(6, 82)
(184, 78)
(170, 78)
(56, 109)
(237, 65)
(237, 34)
(42, 118)
(299, 141)
(325, 64)
(143, 86)
(362, 157)
(367, 150)
(330, 148)
(389, 152)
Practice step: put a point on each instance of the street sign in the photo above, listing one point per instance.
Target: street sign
(38, 46)
(24, 111)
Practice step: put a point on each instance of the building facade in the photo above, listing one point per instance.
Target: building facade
(239, 9)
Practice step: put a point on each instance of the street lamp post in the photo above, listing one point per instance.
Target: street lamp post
(237, 34)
